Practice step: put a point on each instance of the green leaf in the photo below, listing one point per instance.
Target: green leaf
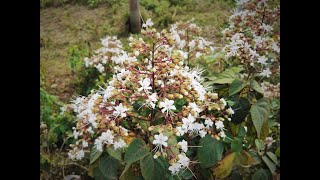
(242, 131)
(126, 168)
(210, 152)
(107, 169)
(178, 103)
(225, 166)
(259, 144)
(94, 154)
(236, 146)
(152, 169)
(271, 165)
(255, 86)
(185, 174)
(259, 114)
(136, 151)
(273, 157)
(227, 76)
(140, 108)
(236, 86)
(114, 153)
(261, 174)
(278, 152)
(129, 173)
(206, 173)
(241, 110)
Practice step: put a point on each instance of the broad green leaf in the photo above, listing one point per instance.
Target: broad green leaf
(271, 165)
(255, 86)
(109, 167)
(242, 131)
(136, 151)
(129, 174)
(210, 152)
(236, 146)
(94, 154)
(278, 152)
(259, 114)
(178, 103)
(225, 166)
(227, 76)
(115, 153)
(261, 174)
(241, 110)
(152, 169)
(245, 158)
(264, 130)
(259, 144)
(206, 174)
(273, 157)
(126, 168)
(185, 174)
(236, 86)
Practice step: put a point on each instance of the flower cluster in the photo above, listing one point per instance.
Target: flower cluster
(270, 90)
(253, 40)
(152, 94)
(187, 39)
(109, 52)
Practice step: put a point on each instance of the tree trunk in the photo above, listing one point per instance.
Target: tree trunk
(135, 20)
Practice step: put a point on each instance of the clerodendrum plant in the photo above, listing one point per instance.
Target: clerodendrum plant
(154, 108)
(252, 81)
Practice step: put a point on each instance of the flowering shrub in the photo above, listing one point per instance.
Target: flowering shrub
(156, 119)
(250, 84)
(153, 98)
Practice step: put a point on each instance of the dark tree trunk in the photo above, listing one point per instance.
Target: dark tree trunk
(134, 18)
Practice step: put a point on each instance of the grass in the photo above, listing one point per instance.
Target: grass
(67, 25)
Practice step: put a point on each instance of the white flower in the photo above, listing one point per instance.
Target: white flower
(90, 130)
(180, 131)
(183, 160)
(160, 140)
(75, 134)
(202, 133)
(275, 47)
(62, 109)
(198, 54)
(230, 111)
(192, 44)
(266, 27)
(152, 99)
(175, 168)
(120, 110)
(208, 122)
(184, 145)
(262, 60)
(268, 141)
(80, 155)
(119, 144)
(219, 124)
(189, 120)
(266, 72)
(223, 101)
(145, 84)
(148, 23)
(136, 53)
(84, 144)
(107, 137)
(130, 38)
(98, 144)
(195, 107)
(222, 134)
(167, 105)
